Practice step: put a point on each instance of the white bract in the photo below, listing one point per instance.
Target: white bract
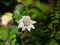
(26, 23)
(6, 18)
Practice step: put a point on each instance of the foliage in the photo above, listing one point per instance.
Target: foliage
(47, 28)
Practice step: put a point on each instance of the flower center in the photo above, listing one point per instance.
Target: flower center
(26, 22)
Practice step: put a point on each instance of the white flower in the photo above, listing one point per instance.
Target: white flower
(6, 18)
(26, 23)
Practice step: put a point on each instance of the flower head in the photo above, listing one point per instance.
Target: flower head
(6, 18)
(26, 23)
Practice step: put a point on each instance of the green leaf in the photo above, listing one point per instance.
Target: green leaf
(18, 12)
(2, 43)
(27, 2)
(12, 39)
(44, 8)
(13, 42)
(53, 42)
(57, 15)
(55, 21)
(19, 9)
(3, 33)
(11, 36)
(14, 30)
(36, 14)
(57, 35)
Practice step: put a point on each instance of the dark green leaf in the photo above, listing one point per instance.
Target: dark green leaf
(44, 8)
(14, 30)
(52, 42)
(57, 35)
(18, 13)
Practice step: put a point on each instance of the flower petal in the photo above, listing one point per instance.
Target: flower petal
(32, 26)
(23, 28)
(28, 28)
(5, 20)
(21, 25)
(33, 22)
(21, 20)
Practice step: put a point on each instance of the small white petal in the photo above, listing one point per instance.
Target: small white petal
(21, 20)
(32, 26)
(33, 22)
(21, 25)
(28, 28)
(23, 28)
(18, 26)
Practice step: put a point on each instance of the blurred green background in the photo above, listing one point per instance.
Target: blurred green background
(45, 12)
